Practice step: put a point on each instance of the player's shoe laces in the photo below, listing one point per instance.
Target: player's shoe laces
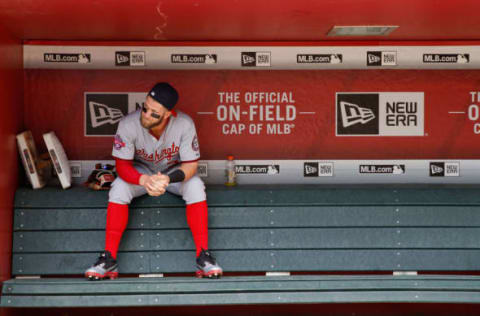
(105, 267)
(207, 266)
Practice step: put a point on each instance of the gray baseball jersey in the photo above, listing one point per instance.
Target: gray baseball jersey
(177, 144)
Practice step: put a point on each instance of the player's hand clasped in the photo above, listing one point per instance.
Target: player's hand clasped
(156, 184)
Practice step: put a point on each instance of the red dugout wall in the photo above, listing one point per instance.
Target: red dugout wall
(11, 120)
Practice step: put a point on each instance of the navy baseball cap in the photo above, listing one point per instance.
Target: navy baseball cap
(164, 94)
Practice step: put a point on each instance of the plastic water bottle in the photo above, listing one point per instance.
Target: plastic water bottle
(230, 171)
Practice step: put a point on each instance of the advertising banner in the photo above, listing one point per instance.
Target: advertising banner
(251, 57)
(380, 117)
(263, 115)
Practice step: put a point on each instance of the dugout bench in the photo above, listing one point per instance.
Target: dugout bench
(339, 244)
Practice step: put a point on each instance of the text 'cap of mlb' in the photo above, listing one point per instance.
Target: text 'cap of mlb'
(165, 94)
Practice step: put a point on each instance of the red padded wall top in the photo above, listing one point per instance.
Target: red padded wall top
(246, 20)
(11, 120)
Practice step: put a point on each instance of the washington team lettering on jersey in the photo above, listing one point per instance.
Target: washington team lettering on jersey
(177, 144)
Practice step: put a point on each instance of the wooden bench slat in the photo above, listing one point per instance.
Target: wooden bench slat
(237, 284)
(197, 299)
(253, 217)
(438, 278)
(257, 260)
(232, 239)
(79, 197)
(378, 260)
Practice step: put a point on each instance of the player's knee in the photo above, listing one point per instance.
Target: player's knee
(193, 190)
(193, 184)
(121, 192)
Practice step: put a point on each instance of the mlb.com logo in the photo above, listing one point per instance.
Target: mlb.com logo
(319, 58)
(256, 59)
(82, 58)
(447, 58)
(380, 114)
(257, 169)
(382, 169)
(193, 58)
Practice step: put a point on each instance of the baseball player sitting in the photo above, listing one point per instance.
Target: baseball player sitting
(156, 150)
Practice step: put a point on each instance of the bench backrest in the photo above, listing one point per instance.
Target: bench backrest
(256, 228)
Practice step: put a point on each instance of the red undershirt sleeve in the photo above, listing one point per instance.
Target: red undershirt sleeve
(127, 172)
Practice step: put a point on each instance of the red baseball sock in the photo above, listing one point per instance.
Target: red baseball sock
(117, 219)
(197, 219)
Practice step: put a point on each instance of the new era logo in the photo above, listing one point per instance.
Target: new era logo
(444, 169)
(103, 111)
(248, 59)
(256, 59)
(129, 58)
(317, 169)
(310, 169)
(353, 114)
(436, 170)
(101, 114)
(202, 170)
(380, 58)
(122, 58)
(373, 59)
(357, 114)
(76, 169)
(382, 114)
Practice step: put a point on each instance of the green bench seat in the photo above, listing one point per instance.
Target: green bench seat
(325, 237)
(178, 291)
